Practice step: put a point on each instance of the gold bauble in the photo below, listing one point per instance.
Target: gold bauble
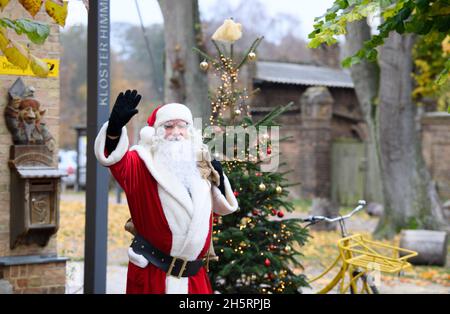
(204, 66)
(287, 248)
(279, 189)
(237, 111)
(262, 187)
(245, 220)
(252, 56)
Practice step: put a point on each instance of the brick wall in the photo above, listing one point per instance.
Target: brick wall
(300, 152)
(37, 278)
(290, 125)
(47, 92)
(305, 153)
(436, 150)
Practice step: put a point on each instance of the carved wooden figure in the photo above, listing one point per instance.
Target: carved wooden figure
(35, 181)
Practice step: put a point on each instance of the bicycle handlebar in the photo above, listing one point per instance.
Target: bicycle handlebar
(316, 219)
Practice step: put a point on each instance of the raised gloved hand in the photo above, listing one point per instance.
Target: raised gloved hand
(218, 167)
(124, 109)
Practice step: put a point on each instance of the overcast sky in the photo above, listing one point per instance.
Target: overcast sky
(125, 11)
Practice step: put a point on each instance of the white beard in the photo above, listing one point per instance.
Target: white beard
(178, 157)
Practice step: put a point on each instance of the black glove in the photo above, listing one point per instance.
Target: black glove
(124, 109)
(218, 167)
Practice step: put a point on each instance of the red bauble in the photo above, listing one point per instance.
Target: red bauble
(271, 276)
(274, 212)
(216, 220)
(236, 193)
(267, 262)
(269, 150)
(255, 212)
(258, 174)
(280, 214)
(272, 247)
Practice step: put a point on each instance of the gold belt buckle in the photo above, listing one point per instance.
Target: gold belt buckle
(172, 264)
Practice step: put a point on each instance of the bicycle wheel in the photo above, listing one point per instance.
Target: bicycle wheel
(367, 282)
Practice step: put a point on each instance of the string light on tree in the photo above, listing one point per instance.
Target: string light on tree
(252, 223)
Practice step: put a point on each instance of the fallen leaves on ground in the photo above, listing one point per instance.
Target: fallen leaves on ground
(70, 236)
(321, 250)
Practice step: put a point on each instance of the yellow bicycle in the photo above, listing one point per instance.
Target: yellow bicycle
(362, 260)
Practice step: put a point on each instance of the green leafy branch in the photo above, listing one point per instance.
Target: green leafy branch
(402, 16)
(36, 31)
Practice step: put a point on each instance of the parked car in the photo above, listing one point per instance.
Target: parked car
(82, 161)
(67, 161)
(82, 172)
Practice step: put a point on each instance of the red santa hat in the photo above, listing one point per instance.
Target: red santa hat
(162, 114)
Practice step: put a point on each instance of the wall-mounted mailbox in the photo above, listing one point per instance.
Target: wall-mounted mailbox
(34, 195)
(35, 181)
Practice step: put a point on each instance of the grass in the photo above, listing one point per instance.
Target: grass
(304, 206)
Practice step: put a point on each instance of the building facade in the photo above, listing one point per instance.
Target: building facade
(29, 268)
(326, 150)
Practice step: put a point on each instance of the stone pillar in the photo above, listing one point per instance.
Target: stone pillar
(315, 142)
(436, 149)
(30, 268)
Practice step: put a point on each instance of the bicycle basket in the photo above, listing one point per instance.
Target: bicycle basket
(373, 255)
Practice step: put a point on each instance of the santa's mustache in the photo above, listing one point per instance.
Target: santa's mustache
(175, 137)
(178, 157)
(177, 149)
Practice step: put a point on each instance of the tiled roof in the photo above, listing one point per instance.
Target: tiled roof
(302, 74)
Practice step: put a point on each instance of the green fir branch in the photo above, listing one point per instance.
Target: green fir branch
(252, 48)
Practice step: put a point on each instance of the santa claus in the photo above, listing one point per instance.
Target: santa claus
(172, 188)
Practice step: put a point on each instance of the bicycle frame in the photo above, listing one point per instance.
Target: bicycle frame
(340, 277)
(346, 256)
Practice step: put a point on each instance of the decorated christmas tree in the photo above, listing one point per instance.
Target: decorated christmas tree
(256, 246)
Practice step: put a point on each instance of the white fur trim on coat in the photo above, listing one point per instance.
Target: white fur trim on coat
(224, 205)
(116, 155)
(188, 218)
(146, 134)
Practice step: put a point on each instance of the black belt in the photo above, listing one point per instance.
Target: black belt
(173, 266)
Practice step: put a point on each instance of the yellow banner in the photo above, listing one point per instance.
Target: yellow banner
(7, 68)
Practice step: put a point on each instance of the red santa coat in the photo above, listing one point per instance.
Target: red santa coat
(164, 214)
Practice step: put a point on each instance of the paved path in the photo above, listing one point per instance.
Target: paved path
(116, 283)
(115, 278)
